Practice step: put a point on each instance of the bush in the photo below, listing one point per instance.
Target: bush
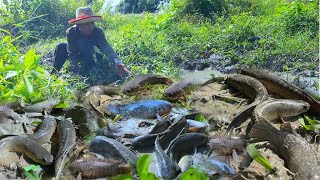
(301, 17)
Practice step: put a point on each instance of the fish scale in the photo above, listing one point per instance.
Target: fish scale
(142, 109)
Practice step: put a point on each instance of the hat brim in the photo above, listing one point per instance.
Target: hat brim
(81, 20)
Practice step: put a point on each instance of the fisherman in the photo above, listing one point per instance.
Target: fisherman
(82, 37)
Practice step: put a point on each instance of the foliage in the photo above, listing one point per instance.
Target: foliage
(309, 124)
(254, 153)
(21, 77)
(194, 174)
(41, 18)
(270, 34)
(32, 172)
(206, 8)
(138, 6)
(142, 168)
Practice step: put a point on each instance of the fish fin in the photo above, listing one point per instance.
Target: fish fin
(113, 109)
(235, 156)
(263, 130)
(159, 118)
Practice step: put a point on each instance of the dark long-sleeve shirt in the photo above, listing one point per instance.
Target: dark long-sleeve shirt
(96, 38)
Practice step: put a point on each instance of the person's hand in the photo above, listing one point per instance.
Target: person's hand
(121, 69)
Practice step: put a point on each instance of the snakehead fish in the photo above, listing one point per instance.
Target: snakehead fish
(140, 80)
(166, 166)
(92, 169)
(252, 88)
(282, 88)
(110, 148)
(294, 149)
(46, 130)
(272, 109)
(142, 109)
(26, 146)
(178, 89)
(184, 144)
(67, 139)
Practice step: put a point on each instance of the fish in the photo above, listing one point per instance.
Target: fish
(294, 149)
(67, 140)
(160, 127)
(110, 148)
(184, 143)
(46, 130)
(212, 166)
(289, 145)
(180, 88)
(142, 109)
(147, 141)
(43, 105)
(172, 132)
(92, 169)
(282, 88)
(197, 126)
(166, 167)
(27, 146)
(252, 88)
(141, 80)
(185, 162)
(273, 109)
(226, 145)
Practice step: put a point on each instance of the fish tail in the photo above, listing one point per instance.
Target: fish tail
(263, 130)
(113, 109)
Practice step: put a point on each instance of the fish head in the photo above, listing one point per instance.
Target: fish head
(173, 94)
(46, 160)
(164, 107)
(299, 107)
(128, 90)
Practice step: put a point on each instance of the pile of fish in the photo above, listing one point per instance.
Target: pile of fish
(87, 140)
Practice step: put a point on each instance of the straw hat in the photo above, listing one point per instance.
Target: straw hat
(84, 15)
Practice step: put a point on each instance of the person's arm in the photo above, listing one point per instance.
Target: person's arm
(73, 52)
(105, 47)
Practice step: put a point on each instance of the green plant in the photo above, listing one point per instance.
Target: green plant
(255, 155)
(32, 172)
(194, 174)
(142, 168)
(309, 124)
(22, 78)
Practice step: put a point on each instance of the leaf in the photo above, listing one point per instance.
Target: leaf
(200, 117)
(10, 74)
(117, 118)
(31, 60)
(62, 104)
(31, 167)
(143, 164)
(6, 38)
(30, 171)
(255, 154)
(28, 84)
(194, 174)
(29, 175)
(143, 168)
(307, 127)
(36, 123)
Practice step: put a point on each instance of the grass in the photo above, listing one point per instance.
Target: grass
(268, 34)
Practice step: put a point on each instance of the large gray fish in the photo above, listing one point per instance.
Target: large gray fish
(108, 148)
(142, 109)
(140, 80)
(294, 149)
(166, 167)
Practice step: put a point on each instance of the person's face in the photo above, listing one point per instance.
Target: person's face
(86, 28)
